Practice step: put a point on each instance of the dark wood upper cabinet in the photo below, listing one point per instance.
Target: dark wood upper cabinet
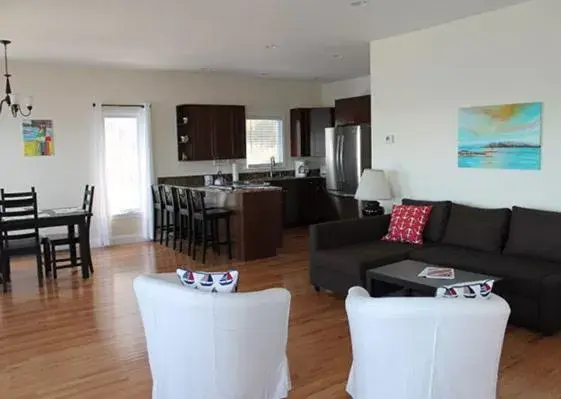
(307, 130)
(228, 133)
(352, 111)
(206, 132)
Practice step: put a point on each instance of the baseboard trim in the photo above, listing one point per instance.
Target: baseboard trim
(127, 239)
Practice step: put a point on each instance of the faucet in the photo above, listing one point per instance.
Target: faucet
(272, 167)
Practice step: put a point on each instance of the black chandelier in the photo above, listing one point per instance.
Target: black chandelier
(11, 100)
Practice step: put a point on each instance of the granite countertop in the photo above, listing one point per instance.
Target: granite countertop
(244, 189)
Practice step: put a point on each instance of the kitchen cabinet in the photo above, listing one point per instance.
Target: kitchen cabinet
(207, 132)
(304, 200)
(228, 132)
(307, 130)
(352, 111)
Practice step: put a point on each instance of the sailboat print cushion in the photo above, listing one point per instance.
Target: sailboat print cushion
(407, 223)
(211, 282)
(470, 290)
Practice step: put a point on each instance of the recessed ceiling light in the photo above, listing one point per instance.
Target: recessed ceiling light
(272, 46)
(358, 3)
(337, 56)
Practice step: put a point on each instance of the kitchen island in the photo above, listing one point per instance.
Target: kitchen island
(256, 221)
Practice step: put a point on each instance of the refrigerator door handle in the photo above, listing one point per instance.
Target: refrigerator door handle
(337, 159)
(341, 147)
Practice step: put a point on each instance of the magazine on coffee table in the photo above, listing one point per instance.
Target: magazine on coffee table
(444, 273)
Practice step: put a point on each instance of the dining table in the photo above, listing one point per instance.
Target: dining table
(57, 217)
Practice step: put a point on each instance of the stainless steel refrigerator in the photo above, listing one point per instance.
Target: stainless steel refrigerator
(348, 151)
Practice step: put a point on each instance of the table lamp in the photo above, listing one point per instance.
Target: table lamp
(373, 186)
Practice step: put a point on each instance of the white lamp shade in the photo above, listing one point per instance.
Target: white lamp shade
(373, 186)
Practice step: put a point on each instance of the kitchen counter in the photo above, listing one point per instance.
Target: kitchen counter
(256, 221)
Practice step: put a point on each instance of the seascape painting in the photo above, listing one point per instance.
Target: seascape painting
(500, 136)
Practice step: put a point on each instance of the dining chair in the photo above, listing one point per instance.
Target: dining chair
(18, 241)
(205, 225)
(424, 348)
(53, 241)
(214, 345)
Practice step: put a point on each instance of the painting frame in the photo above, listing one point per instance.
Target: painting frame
(506, 136)
(38, 137)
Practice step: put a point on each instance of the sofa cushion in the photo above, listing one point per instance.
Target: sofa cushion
(477, 228)
(356, 259)
(408, 223)
(535, 233)
(434, 230)
(521, 275)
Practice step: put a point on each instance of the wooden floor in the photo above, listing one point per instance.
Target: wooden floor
(75, 339)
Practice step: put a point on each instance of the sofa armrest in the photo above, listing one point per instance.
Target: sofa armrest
(347, 232)
(550, 305)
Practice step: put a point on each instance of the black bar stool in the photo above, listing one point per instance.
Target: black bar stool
(205, 224)
(158, 208)
(170, 213)
(184, 218)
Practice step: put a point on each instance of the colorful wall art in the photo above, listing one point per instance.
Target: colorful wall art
(38, 139)
(500, 136)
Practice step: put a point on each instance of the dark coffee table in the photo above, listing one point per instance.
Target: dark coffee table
(385, 280)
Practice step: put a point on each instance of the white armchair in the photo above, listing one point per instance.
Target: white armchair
(424, 348)
(212, 346)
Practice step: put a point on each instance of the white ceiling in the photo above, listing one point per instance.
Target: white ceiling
(317, 39)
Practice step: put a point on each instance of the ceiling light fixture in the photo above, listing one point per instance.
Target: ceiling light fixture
(272, 46)
(337, 56)
(11, 100)
(358, 3)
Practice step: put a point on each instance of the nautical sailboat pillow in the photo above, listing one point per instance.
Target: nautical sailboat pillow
(472, 289)
(211, 282)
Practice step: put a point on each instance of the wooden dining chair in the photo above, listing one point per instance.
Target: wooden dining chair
(18, 241)
(52, 241)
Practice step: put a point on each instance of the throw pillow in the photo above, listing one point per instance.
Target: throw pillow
(407, 223)
(434, 230)
(470, 290)
(211, 282)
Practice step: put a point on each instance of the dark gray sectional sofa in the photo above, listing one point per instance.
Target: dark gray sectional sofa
(523, 246)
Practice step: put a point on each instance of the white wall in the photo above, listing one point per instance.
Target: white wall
(423, 78)
(65, 94)
(343, 89)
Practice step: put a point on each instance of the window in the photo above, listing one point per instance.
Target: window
(122, 164)
(264, 139)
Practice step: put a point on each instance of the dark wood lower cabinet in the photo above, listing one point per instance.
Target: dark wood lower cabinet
(305, 201)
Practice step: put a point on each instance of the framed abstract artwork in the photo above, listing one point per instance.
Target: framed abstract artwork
(38, 138)
(500, 136)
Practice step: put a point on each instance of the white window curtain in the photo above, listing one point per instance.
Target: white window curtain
(146, 171)
(100, 228)
(101, 234)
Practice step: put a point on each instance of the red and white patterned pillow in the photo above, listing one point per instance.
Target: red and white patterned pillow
(407, 223)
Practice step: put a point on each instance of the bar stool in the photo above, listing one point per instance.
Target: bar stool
(158, 213)
(170, 212)
(205, 224)
(184, 218)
